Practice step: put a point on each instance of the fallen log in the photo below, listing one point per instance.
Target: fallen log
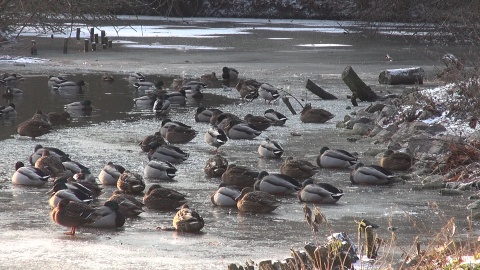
(412, 75)
(317, 90)
(356, 85)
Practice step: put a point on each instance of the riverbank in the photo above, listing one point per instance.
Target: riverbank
(283, 54)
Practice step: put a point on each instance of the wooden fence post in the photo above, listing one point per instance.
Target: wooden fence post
(85, 45)
(65, 44)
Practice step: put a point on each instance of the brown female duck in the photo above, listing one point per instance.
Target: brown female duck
(256, 201)
(298, 169)
(310, 115)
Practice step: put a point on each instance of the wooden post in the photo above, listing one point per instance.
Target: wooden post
(356, 85)
(33, 49)
(106, 43)
(78, 34)
(286, 100)
(103, 37)
(96, 38)
(65, 44)
(109, 44)
(92, 32)
(317, 90)
(94, 46)
(85, 45)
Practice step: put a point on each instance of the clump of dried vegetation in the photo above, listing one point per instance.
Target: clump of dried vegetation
(429, 251)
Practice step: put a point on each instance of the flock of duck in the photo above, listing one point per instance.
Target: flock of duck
(75, 187)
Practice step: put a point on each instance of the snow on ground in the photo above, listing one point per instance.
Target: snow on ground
(21, 59)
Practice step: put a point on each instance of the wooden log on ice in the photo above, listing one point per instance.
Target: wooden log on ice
(356, 85)
(317, 90)
(286, 100)
(413, 75)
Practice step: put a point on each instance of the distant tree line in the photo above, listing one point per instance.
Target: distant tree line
(459, 18)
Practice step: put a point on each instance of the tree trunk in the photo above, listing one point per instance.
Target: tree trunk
(412, 75)
(356, 85)
(317, 90)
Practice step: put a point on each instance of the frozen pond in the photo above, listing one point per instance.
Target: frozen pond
(30, 240)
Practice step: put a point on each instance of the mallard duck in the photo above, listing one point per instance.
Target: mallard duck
(215, 166)
(396, 161)
(229, 74)
(69, 86)
(59, 118)
(108, 78)
(148, 141)
(55, 80)
(74, 167)
(28, 176)
(239, 176)
(8, 94)
(40, 116)
(83, 106)
(256, 201)
(215, 137)
(203, 115)
(162, 198)
(144, 85)
(38, 152)
(238, 130)
(73, 214)
(131, 183)
(335, 158)
(167, 123)
(222, 119)
(319, 193)
(225, 196)
(194, 93)
(309, 115)
(159, 170)
(247, 90)
(33, 128)
(276, 184)
(145, 102)
(188, 220)
(8, 111)
(370, 175)
(61, 191)
(179, 97)
(110, 173)
(209, 78)
(136, 77)
(179, 134)
(167, 153)
(161, 106)
(110, 216)
(81, 188)
(129, 205)
(276, 118)
(270, 149)
(298, 169)
(12, 79)
(85, 178)
(259, 122)
(268, 92)
(50, 165)
(193, 85)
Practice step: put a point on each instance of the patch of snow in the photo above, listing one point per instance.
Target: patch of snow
(21, 59)
(323, 45)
